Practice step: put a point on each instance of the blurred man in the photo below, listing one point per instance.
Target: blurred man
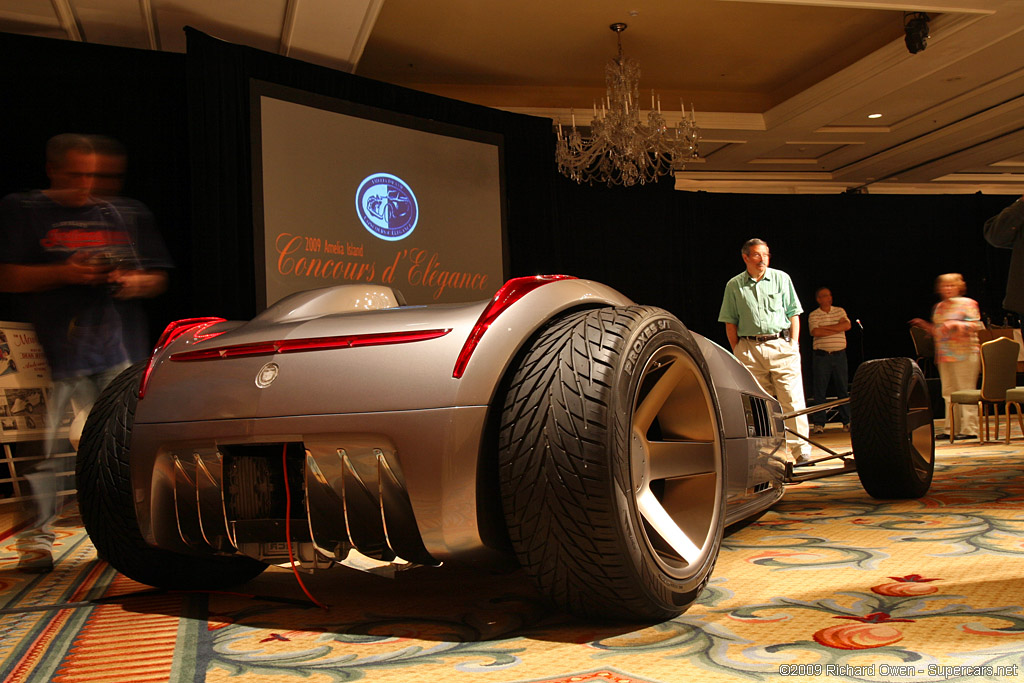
(147, 248)
(761, 312)
(67, 254)
(828, 325)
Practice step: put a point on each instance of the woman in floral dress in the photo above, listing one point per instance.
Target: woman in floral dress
(954, 327)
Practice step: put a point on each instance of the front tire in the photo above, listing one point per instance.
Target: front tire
(891, 428)
(102, 472)
(611, 464)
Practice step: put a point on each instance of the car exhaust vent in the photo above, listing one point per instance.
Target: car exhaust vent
(763, 486)
(254, 481)
(232, 497)
(759, 419)
(357, 497)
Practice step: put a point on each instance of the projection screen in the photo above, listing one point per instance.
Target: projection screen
(344, 193)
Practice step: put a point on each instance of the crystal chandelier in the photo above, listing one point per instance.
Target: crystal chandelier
(622, 149)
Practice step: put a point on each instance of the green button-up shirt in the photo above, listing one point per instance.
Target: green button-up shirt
(759, 306)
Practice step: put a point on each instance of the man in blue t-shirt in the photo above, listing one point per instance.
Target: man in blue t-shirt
(148, 247)
(67, 255)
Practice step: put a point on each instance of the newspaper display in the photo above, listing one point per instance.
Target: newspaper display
(24, 382)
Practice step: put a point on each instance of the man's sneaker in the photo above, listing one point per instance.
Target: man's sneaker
(35, 562)
(35, 551)
(818, 429)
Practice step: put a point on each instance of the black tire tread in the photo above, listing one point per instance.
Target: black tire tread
(556, 482)
(103, 480)
(878, 414)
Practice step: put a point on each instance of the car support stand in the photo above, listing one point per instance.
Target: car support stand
(849, 465)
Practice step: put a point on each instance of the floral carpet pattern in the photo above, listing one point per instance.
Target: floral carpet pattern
(829, 584)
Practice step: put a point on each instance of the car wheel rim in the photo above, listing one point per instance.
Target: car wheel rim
(676, 462)
(920, 434)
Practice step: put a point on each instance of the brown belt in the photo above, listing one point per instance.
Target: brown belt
(765, 337)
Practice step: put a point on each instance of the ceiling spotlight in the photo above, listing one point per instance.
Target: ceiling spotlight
(915, 25)
(874, 116)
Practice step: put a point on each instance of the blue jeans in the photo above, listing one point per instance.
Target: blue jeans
(79, 394)
(832, 366)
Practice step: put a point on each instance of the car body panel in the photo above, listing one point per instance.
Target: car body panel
(401, 449)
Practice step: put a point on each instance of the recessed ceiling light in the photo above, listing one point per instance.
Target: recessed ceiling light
(874, 116)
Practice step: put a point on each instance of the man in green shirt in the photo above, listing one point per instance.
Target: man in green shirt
(761, 312)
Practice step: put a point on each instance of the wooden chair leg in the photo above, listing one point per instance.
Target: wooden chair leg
(1006, 409)
(995, 409)
(951, 427)
(982, 417)
(1020, 418)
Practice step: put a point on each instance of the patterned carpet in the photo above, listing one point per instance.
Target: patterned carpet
(828, 584)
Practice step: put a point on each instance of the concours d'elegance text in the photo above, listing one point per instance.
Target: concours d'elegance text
(344, 262)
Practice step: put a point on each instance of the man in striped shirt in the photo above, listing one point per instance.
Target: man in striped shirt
(828, 325)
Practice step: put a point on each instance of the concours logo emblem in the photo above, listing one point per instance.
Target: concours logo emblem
(267, 374)
(387, 207)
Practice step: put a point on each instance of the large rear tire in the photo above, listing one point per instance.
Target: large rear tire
(108, 511)
(612, 466)
(891, 428)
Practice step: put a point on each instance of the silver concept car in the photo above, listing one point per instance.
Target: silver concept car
(598, 443)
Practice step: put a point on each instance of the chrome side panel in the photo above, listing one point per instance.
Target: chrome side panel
(356, 497)
(210, 499)
(755, 464)
(410, 476)
(731, 379)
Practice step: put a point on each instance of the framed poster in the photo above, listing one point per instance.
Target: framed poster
(24, 382)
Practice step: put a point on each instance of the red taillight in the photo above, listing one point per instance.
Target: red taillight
(511, 292)
(170, 333)
(309, 344)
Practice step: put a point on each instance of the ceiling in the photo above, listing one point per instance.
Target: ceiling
(782, 88)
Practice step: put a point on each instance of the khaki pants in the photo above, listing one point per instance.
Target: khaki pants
(960, 375)
(775, 365)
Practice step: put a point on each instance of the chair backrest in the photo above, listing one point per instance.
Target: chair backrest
(924, 345)
(998, 368)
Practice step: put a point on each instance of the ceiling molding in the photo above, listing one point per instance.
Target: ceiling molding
(291, 7)
(328, 32)
(935, 6)
(706, 120)
(811, 186)
(370, 15)
(782, 160)
(18, 16)
(149, 24)
(841, 130)
(68, 19)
